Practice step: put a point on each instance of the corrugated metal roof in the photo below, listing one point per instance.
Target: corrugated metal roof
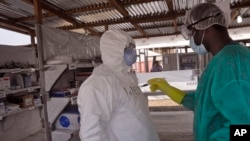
(99, 15)
(140, 18)
(71, 4)
(148, 8)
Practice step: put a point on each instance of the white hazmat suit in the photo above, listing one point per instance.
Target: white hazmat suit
(111, 105)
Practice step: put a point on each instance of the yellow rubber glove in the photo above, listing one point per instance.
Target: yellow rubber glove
(161, 84)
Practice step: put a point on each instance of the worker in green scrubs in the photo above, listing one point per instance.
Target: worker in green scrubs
(222, 97)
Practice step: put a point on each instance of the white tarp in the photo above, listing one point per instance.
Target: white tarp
(58, 42)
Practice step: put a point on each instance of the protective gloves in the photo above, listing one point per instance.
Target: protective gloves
(161, 84)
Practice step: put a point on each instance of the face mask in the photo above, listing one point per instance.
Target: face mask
(200, 49)
(130, 56)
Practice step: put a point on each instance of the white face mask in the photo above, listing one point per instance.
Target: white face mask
(200, 49)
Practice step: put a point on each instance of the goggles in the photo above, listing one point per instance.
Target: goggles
(130, 46)
(189, 30)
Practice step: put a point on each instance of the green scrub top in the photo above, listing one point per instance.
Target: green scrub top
(222, 97)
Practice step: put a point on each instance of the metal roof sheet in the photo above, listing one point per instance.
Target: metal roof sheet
(140, 18)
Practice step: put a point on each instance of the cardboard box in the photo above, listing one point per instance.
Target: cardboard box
(24, 100)
(27, 101)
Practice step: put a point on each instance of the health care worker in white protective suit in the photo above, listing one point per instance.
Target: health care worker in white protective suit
(111, 105)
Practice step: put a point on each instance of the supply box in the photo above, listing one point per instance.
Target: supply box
(23, 100)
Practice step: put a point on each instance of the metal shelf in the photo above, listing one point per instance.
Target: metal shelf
(7, 92)
(18, 70)
(53, 72)
(81, 65)
(19, 111)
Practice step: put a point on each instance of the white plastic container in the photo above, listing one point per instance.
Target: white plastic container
(68, 121)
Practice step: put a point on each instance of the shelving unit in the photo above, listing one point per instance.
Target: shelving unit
(20, 87)
(19, 111)
(4, 93)
(54, 72)
(54, 75)
(18, 70)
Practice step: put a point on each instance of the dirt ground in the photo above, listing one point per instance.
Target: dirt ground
(162, 102)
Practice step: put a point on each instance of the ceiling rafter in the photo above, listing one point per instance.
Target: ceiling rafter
(162, 17)
(16, 27)
(153, 26)
(108, 5)
(234, 14)
(159, 35)
(11, 24)
(171, 10)
(89, 8)
(60, 13)
(167, 25)
(131, 2)
(13, 28)
(177, 33)
(123, 11)
(142, 19)
(84, 9)
(71, 11)
(53, 10)
(240, 5)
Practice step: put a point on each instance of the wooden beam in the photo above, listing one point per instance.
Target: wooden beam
(234, 14)
(170, 6)
(65, 16)
(16, 27)
(142, 19)
(32, 40)
(119, 7)
(108, 5)
(29, 18)
(139, 29)
(71, 11)
(53, 9)
(175, 25)
(83, 9)
(10, 24)
(38, 11)
(240, 5)
(171, 10)
(93, 32)
(146, 18)
(157, 35)
(131, 2)
(60, 13)
(239, 26)
(13, 28)
(89, 8)
(154, 26)
(171, 34)
(106, 27)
